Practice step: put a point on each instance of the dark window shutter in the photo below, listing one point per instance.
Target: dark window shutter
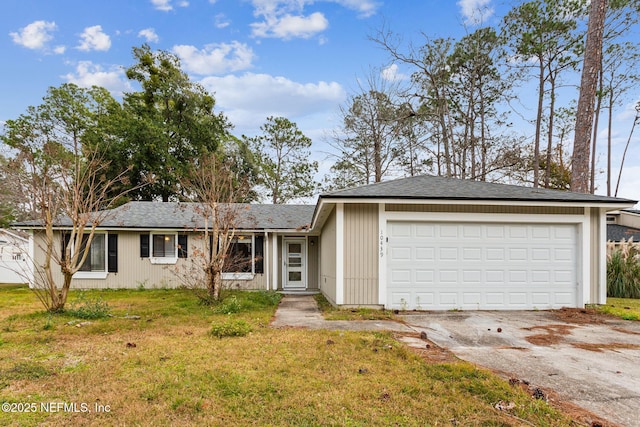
(66, 238)
(259, 253)
(112, 253)
(144, 246)
(182, 245)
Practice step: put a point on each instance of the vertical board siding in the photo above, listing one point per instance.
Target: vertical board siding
(594, 230)
(361, 254)
(497, 209)
(312, 263)
(328, 258)
(136, 272)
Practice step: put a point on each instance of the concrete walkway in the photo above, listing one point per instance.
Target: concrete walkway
(301, 311)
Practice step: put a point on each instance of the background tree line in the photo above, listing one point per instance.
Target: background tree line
(455, 114)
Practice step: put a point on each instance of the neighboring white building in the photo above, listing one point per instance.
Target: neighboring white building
(15, 265)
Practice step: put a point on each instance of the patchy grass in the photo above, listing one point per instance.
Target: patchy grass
(334, 313)
(625, 308)
(164, 368)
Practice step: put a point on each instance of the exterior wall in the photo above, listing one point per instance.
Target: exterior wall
(14, 259)
(629, 219)
(598, 257)
(328, 258)
(313, 262)
(134, 271)
(361, 254)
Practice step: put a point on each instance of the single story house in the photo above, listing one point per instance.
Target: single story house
(623, 225)
(425, 242)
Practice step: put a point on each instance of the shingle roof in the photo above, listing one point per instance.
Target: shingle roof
(616, 233)
(172, 215)
(433, 187)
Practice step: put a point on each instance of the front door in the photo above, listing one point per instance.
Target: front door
(294, 264)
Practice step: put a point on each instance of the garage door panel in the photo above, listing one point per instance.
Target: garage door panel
(495, 299)
(399, 253)
(518, 254)
(423, 230)
(495, 254)
(425, 254)
(481, 266)
(472, 232)
(448, 231)
(425, 276)
(471, 254)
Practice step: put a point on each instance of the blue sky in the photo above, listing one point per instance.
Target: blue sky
(295, 58)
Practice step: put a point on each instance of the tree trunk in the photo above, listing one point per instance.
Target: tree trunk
(592, 178)
(609, 130)
(552, 100)
(584, 116)
(536, 146)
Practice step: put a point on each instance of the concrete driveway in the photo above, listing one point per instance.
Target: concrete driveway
(586, 360)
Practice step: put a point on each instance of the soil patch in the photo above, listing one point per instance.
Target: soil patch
(599, 347)
(553, 334)
(431, 353)
(580, 316)
(625, 331)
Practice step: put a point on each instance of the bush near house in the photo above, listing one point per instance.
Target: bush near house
(623, 270)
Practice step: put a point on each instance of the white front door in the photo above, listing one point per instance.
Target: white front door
(294, 264)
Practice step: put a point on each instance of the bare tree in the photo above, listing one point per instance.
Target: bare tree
(65, 180)
(216, 185)
(368, 144)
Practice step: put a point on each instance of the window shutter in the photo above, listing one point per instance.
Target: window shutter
(182, 245)
(259, 253)
(112, 253)
(65, 239)
(144, 246)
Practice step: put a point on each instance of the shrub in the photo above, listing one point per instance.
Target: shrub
(89, 308)
(230, 328)
(228, 306)
(623, 271)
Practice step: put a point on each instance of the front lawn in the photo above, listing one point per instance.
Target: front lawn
(625, 308)
(155, 362)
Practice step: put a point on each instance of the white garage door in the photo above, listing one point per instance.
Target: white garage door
(443, 266)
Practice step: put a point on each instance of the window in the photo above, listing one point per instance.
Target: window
(240, 255)
(96, 258)
(164, 246)
(244, 258)
(102, 256)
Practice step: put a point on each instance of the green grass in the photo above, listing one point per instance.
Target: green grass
(333, 313)
(166, 369)
(625, 308)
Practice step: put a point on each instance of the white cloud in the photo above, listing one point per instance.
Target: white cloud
(149, 34)
(290, 26)
(221, 21)
(475, 12)
(391, 74)
(248, 99)
(366, 8)
(59, 49)
(166, 6)
(35, 35)
(88, 74)
(163, 5)
(215, 58)
(92, 38)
